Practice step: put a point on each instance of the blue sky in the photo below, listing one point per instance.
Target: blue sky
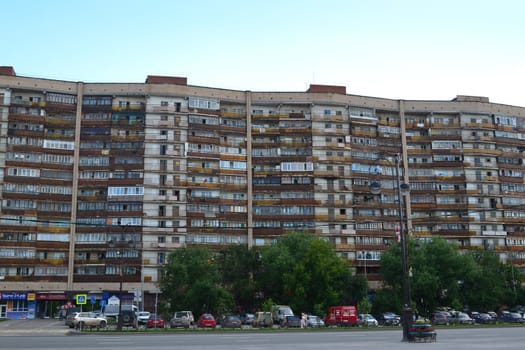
(395, 49)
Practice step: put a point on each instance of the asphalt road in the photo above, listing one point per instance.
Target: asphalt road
(50, 334)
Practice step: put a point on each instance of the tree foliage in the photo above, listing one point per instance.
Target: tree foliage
(442, 275)
(304, 272)
(300, 270)
(191, 282)
(237, 266)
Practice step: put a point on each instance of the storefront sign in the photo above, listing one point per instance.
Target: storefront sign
(13, 296)
(47, 296)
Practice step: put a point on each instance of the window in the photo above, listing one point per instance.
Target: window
(202, 103)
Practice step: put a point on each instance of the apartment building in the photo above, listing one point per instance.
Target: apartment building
(100, 181)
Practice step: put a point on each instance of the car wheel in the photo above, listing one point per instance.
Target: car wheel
(103, 324)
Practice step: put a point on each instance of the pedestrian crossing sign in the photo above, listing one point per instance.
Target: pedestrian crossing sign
(81, 299)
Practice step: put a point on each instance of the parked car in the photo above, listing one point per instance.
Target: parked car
(441, 318)
(263, 319)
(231, 321)
(248, 318)
(511, 317)
(129, 319)
(314, 321)
(142, 317)
(182, 319)
(206, 321)
(88, 320)
(388, 319)
(493, 315)
(155, 321)
(68, 316)
(291, 322)
(460, 318)
(367, 320)
(482, 318)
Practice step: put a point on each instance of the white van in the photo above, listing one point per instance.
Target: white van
(279, 313)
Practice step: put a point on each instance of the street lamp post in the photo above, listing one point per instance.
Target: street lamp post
(120, 256)
(402, 190)
(119, 317)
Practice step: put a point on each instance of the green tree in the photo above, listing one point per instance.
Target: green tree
(304, 272)
(436, 267)
(191, 282)
(237, 266)
(492, 282)
(442, 275)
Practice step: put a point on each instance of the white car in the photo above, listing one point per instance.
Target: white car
(368, 320)
(314, 321)
(88, 320)
(143, 316)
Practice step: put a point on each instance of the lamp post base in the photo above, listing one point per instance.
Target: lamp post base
(407, 318)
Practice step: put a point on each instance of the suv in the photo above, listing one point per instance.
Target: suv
(441, 318)
(182, 319)
(263, 319)
(88, 319)
(129, 319)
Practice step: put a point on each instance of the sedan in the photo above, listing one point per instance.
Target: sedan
(142, 317)
(463, 318)
(482, 318)
(314, 321)
(511, 317)
(231, 321)
(389, 319)
(155, 321)
(206, 321)
(292, 321)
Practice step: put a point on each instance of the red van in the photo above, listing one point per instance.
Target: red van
(341, 316)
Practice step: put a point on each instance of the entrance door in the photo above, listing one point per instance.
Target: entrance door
(3, 311)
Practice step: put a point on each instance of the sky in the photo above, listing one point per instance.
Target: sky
(412, 49)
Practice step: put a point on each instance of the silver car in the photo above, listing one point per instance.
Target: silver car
(182, 319)
(88, 320)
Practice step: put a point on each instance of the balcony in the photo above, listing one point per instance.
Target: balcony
(137, 107)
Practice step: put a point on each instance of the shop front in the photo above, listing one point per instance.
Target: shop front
(48, 305)
(18, 305)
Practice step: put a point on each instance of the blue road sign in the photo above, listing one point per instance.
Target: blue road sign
(81, 299)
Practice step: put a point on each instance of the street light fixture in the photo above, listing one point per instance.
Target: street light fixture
(403, 190)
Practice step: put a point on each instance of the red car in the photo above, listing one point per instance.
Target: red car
(207, 321)
(155, 321)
